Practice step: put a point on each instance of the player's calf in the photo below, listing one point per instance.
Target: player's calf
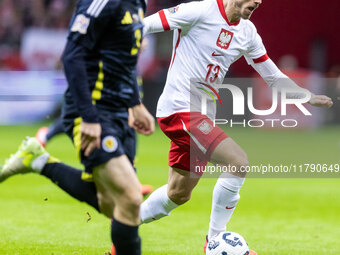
(181, 185)
(168, 197)
(179, 195)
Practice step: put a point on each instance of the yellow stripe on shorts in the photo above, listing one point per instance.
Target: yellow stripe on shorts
(86, 177)
(77, 135)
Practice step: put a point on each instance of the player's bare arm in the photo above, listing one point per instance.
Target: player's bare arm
(276, 79)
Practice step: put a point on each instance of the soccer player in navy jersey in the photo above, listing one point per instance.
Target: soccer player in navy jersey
(100, 65)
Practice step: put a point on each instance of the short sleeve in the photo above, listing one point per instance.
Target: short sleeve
(256, 52)
(88, 24)
(181, 16)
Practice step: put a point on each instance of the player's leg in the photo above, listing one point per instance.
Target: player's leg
(209, 142)
(72, 181)
(226, 191)
(80, 186)
(105, 202)
(168, 197)
(181, 183)
(41, 135)
(55, 128)
(32, 157)
(118, 178)
(44, 134)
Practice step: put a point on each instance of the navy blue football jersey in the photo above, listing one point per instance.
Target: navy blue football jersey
(111, 31)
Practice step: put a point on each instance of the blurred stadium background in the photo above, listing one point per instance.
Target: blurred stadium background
(276, 216)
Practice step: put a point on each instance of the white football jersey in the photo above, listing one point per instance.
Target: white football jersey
(205, 44)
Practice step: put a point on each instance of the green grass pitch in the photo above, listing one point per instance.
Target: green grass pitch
(276, 216)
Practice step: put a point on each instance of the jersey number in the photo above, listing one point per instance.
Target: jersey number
(212, 74)
(138, 36)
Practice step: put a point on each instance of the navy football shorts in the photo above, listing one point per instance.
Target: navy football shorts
(117, 137)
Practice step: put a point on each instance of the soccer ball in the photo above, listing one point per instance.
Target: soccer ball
(227, 243)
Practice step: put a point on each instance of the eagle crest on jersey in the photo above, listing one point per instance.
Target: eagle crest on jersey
(224, 39)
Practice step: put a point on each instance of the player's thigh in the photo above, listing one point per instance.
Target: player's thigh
(118, 177)
(105, 200)
(229, 153)
(180, 185)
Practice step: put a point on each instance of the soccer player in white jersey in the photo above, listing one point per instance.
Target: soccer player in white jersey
(209, 36)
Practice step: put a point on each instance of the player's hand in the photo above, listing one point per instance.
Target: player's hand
(90, 137)
(320, 101)
(144, 44)
(143, 122)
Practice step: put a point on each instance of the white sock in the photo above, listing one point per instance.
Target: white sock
(39, 163)
(158, 205)
(225, 198)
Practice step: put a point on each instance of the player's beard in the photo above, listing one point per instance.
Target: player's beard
(240, 7)
(245, 15)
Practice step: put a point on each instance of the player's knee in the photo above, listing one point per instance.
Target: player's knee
(132, 203)
(179, 196)
(105, 205)
(242, 162)
(239, 165)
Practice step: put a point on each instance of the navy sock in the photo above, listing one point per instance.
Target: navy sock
(55, 129)
(125, 239)
(69, 180)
